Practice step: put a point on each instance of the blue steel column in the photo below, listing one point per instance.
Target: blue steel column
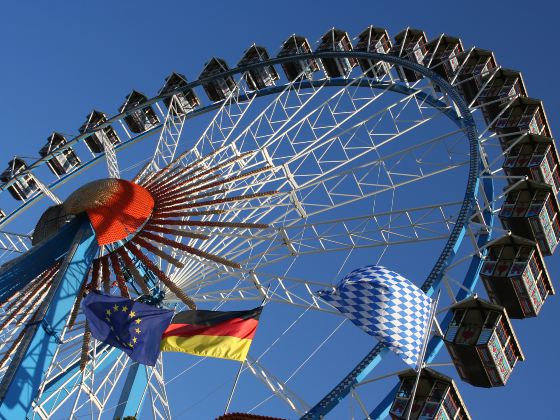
(17, 273)
(131, 395)
(21, 382)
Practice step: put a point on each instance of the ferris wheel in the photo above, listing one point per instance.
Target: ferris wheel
(268, 182)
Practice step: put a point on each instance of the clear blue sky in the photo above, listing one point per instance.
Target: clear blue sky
(61, 59)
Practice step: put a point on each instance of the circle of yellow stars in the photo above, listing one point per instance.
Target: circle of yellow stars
(131, 314)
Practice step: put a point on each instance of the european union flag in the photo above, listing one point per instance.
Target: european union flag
(133, 327)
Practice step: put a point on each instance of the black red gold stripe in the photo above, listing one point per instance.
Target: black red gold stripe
(225, 335)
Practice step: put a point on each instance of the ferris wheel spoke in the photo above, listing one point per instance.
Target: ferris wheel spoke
(110, 157)
(257, 286)
(337, 235)
(283, 293)
(319, 150)
(350, 187)
(66, 358)
(157, 392)
(103, 384)
(253, 184)
(315, 144)
(422, 224)
(311, 130)
(223, 125)
(325, 194)
(298, 369)
(47, 191)
(168, 139)
(278, 388)
(299, 302)
(277, 115)
(273, 135)
(378, 229)
(276, 175)
(345, 195)
(220, 151)
(419, 224)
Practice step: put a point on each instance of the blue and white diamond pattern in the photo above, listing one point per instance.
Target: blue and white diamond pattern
(385, 305)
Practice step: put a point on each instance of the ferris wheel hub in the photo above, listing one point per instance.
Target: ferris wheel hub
(116, 208)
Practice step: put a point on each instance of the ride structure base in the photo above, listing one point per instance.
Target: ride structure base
(25, 373)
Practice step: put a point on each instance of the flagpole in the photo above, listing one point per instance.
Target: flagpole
(263, 302)
(420, 365)
(234, 386)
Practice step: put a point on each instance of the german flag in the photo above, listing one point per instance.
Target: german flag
(225, 335)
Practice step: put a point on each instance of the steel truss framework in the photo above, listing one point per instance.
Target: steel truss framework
(322, 155)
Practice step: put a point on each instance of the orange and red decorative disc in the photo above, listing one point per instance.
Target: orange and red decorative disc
(116, 208)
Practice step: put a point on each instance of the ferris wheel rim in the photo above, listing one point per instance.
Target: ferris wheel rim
(425, 71)
(473, 175)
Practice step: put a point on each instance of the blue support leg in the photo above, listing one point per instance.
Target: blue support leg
(131, 396)
(23, 377)
(17, 273)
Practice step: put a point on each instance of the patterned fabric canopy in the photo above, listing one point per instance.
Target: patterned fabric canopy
(385, 305)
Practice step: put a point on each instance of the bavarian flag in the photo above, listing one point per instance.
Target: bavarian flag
(225, 335)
